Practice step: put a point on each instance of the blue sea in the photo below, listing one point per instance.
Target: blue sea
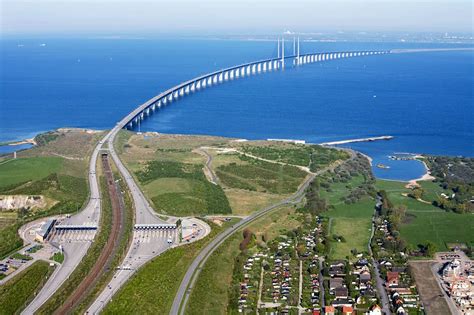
(424, 100)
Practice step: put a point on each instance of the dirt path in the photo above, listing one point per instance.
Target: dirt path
(107, 254)
(210, 175)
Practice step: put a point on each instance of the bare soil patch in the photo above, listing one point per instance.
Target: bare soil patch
(430, 292)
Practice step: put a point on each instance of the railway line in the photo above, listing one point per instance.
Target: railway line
(105, 259)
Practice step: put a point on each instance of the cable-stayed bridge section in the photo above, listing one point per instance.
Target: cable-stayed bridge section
(134, 119)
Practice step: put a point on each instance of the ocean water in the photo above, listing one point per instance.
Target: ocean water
(424, 100)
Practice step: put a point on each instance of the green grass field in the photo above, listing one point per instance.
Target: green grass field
(181, 189)
(28, 169)
(7, 218)
(353, 222)
(17, 292)
(440, 227)
(426, 222)
(152, 289)
(58, 257)
(340, 190)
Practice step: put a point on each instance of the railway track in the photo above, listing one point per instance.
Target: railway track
(105, 259)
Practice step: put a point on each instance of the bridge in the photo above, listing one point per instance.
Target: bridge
(202, 82)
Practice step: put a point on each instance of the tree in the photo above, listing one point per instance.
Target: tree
(430, 248)
(417, 193)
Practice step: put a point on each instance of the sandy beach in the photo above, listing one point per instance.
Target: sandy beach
(426, 176)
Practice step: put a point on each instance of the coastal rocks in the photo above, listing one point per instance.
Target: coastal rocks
(12, 202)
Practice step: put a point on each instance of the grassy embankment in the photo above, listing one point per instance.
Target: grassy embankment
(155, 285)
(56, 170)
(425, 222)
(21, 289)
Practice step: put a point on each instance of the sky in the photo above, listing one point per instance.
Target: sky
(232, 17)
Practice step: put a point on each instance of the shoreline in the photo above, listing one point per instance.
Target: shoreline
(418, 157)
(427, 176)
(32, 140)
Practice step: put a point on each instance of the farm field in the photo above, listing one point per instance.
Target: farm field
(23, 170)
(439, 227)
(430, 293)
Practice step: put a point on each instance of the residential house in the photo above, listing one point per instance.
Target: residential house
(347, 310)
(329, 310)
(393, 278)
(375, 310)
